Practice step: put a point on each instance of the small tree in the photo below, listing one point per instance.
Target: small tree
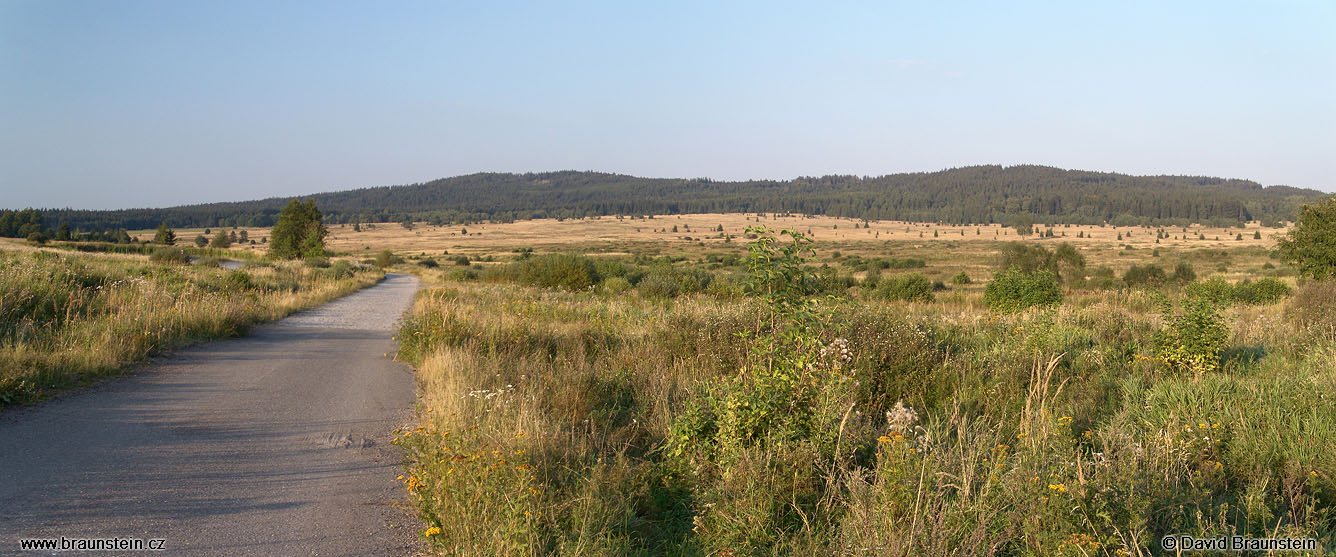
(221, 240)
(1311, 244)
(201, 241)
(164, 236)
(299, 232)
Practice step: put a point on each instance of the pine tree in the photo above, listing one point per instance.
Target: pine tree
(164, 236)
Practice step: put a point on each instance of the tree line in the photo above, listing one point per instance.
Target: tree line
(976, 194)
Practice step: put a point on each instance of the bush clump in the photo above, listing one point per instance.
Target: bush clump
(169, 256)
(1017, 290)
(1148, 276)
(1193, 340)
(1261, 291)
(558, 270)
(961, 279)
(912, 287)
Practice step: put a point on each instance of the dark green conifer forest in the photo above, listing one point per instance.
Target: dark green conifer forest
(976, 194)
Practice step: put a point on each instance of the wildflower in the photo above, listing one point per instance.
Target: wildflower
(1060, 488)
(433, 531)
(901, 418)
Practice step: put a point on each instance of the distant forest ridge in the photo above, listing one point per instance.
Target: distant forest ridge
(975, 194)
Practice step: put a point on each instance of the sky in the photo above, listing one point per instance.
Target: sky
(156, 103)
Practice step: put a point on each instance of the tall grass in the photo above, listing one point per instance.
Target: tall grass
(551, 423)
(66, 319)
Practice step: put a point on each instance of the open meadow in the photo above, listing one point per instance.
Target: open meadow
(612, 386)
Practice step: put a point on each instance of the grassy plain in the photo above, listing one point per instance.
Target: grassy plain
(660, 409)
(69, 317)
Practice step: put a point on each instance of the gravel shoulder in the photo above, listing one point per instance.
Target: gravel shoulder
(277, 443)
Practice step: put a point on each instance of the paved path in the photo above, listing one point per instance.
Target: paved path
(272, 444)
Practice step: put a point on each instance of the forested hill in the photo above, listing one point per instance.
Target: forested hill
(971, 194)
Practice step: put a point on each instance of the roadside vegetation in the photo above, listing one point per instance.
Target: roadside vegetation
(68, 318)
(787, 401)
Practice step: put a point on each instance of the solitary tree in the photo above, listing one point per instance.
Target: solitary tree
(201, 241)
(164, 235)
(1311, 244)
(221, 240)
(299, 232)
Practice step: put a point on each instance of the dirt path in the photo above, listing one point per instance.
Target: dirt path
(272, 444)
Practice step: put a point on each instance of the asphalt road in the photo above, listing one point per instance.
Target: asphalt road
(276, 443)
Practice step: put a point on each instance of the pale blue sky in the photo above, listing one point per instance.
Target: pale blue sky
(108, 104)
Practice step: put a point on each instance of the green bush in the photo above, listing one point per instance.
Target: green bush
(659, 283)
(1144, 276)
(1311, 244)
(962, 278)
(616, 285)
(169, 256)
(386, 258)
(1017, 290)
(1218, 290)
(1184, 273)
(316, 262)
(564, 271)
(913, 287)
(461, 275)
(238, 280)
(1262, 291)
(1193, 340)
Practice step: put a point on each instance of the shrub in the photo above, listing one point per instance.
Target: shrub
(659, 283)
(169, 256)
(462, 260)
(616, 285)
(428, 263)
(316, 262)
(1215, 289)
(341, 270)
(1313, 308)
(386, 258)
(1262, 291)
(1027, 258)
(962, 278)
(913, 287)
(461, 275)
(237, 280)
(37, 238)
(1184, 273)
(564, 271)
(1193, 340)
(1144, 276)
(1016, 290)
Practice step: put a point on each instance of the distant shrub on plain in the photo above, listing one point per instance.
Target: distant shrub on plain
(558, 270)
(616, 285)
(961, 279)
(1017, 290)
(169, 256)
(912, 287)
(386, 258)
(1184, 273)
(1145, 276)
